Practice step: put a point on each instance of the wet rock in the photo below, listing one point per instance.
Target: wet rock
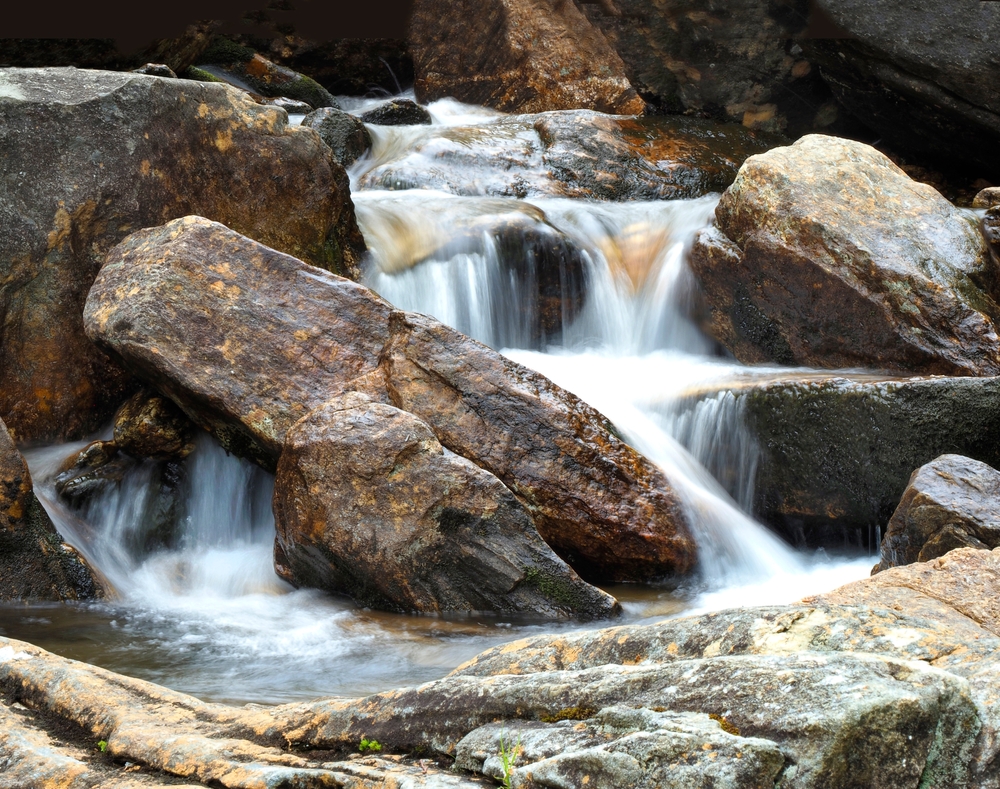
(93, 156)
(156, 70)
(491, 54)
(151, 426)
(826, 254)
(833, 455)
(398, 112)
(987, 198)
(94, 470)
(368, 503)
(574, 154)
(345, 134)
(949, 503)
(35, 563)
(245, 69)
(289, 105)
(601, 506)
(991, 230)
(923, 78)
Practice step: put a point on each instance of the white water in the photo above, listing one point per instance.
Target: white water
(209, 616)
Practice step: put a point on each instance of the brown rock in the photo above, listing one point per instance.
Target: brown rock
(151, 426)
(368, 503)
(949, 503)
(193, 308)
(35, 564)
(826, 254)
(516, 56)
(987, 198)
(92, 156)
(398, 112)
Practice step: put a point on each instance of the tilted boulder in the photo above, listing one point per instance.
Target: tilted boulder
(826, 254)
(283, 338)
(35, 563)
(490, 53)
(368, 503)
(949, 503)
(92, 156)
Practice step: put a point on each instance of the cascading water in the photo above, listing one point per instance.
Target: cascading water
(593, 295)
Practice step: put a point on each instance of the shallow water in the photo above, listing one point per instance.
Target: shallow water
(210, 617)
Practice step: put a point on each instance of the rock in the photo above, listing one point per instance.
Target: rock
(35, 563)
(828, 222)
(345, 134)
(578, 154)
(987, 198)
(242, 67)
(398, 112)
(923, 78)
(150, 426)
(949, 503)
(92, 156)
(156, 70)
(738, 62)
(91, 472)
(832, 456)
(491, 54)
(368, 503)
(291, 106)
(991, 230)
(605, 506)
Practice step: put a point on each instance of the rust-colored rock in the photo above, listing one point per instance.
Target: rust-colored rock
(949, 503)
(91, 156)
(517, 56)
(35, 564)
(368, 503)
(826, 254)
(151, 426)
(247, 341)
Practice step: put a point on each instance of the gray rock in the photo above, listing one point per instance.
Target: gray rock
(987, 198)
(398, 112)
(826, 254)
(368, 503)
(346, 135)
(289, 105)
(156, 70)
(949, 503)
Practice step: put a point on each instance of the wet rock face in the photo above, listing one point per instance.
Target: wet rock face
(151, 426)
(826, 254)
(368, 503)
(578, 154)
(93, 156)
(346, 135)
(603, 507)
(398, 112)
(491, 54)
(35, 564)
(922, 77)
(949, 503)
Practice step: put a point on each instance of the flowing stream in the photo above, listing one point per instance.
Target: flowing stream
(207, 615)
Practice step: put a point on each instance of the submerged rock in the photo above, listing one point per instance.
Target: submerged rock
(35, 563)
(346, 135)
(826, 254)
(398, 112)
(949, 503)
(491, 53)
(92, 156)
(368, 503)
(605, 509)
(574, 153)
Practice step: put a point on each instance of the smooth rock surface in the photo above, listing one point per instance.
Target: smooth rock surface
(492, 54)
(826, 254)
(398, 112)
(346, 135)
(35, 563)
(92, 156)
(368, 503)
(578, 154)
(602, 507)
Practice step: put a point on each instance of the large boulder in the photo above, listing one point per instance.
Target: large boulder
(826, 254)
(919, 74)
(35, 563)
(579, 154)
(516, 56)
(949, 503)
(247, 341)
(91, 156)
(367, 502)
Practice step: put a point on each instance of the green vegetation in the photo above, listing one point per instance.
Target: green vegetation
(102, 745)
(371, 746)
(570, 714)
(507, 758)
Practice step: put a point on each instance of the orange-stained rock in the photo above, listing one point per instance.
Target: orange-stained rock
(368, 503)
(826, 254)
(151, 426)
(92, 156)
(35, 564)
(247, 341)
(517, 56)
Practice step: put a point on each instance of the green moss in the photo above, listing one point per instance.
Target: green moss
(569, 714)
(556, 589)
(223, 51)
(199, 75)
